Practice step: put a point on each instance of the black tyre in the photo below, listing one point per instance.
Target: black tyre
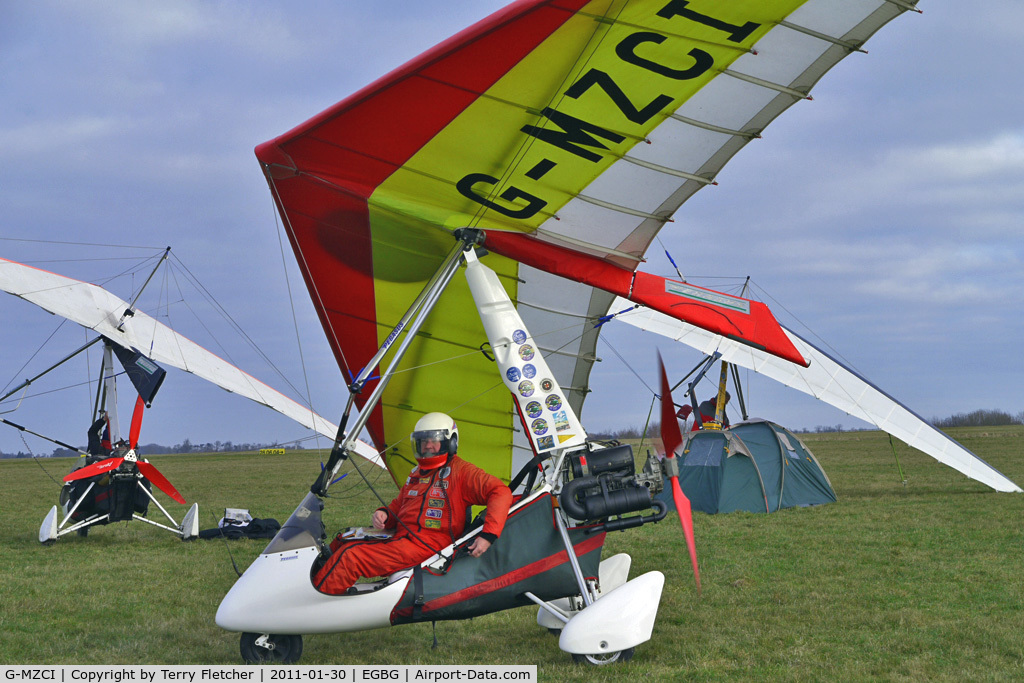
(604, 659)
(65, 496)
(258, 648)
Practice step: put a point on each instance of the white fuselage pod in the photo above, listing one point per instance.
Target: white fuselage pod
(276, 594)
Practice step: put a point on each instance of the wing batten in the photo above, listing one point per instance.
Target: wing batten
(748, 134)
(845, 44)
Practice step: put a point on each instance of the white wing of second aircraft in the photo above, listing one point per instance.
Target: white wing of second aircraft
(830, 381)
(99, 310)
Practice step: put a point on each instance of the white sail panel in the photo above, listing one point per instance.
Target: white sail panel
(830, 381)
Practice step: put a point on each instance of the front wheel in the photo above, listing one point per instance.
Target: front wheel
(604, 659)
(263, 648)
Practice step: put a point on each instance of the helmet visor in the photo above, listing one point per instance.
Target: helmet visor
(430, 442)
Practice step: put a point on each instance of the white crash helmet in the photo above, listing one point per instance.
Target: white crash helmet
(435, 427)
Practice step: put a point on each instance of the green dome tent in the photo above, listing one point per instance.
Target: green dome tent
(756, 466)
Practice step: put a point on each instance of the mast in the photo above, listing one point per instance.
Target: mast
(408, 326)
(692, 386)
(130, 311)
(720, 403)
(108, 379)
(735, 369)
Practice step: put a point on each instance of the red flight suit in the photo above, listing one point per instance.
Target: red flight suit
(432, 505)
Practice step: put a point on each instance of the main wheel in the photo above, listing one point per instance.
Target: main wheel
(262, 648)
(603, 659)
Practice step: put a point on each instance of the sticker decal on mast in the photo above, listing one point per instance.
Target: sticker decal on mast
(548, 420)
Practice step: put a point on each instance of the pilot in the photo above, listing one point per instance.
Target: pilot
(708, 408)
(95, 446)
(428, 514)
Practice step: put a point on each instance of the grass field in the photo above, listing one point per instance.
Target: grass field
(919, 581)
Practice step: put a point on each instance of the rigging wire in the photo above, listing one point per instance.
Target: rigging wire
(295, 320)
(66, 387)
(647, 425)
(604, 339)
(179, 267)
(824, 343)
(25, 364)
(899, 467)
(88, 379)
(36, 459)
(669, 256)
(628, 366)
(76, 244)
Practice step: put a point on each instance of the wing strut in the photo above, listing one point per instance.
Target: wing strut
(52, 367)
(409, 325)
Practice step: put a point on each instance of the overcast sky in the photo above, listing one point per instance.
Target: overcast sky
(886, 215)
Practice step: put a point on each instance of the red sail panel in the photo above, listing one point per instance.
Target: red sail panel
(361, 140)
(743, 320)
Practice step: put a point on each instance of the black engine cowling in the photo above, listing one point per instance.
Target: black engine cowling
(605, 485)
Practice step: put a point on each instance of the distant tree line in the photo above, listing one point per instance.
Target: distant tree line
(978, 418)
(185, 446)
(634, 432)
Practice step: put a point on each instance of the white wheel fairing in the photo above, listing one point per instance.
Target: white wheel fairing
(620, 620)
(48, 529)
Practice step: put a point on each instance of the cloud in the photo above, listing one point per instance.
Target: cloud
(1003, 154)
(35, 138)
(157, 24)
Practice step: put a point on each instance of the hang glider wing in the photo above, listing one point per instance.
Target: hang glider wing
(832, 382)
(570, 131)
(97, 309)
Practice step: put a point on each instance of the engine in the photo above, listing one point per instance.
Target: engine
(603, 483)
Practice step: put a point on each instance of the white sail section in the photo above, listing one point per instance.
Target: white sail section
(830, 381)
(97, 309)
